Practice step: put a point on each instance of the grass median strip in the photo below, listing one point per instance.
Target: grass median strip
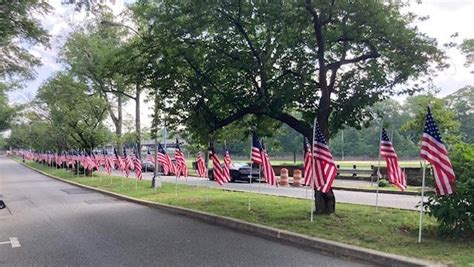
(389, 230)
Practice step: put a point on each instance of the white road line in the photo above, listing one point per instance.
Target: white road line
(13, 241)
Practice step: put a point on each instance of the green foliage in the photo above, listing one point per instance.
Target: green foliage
(455, 213)
(106, 57)
(383, 183)
(462, 103)
(221, 61)
(74, 112)
(445, 118)
(37, 135)
(6, 112)
(467, 48)
(19, 27)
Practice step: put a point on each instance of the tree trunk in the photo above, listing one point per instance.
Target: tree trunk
(118, 124)
(325, 203)
(137, 118)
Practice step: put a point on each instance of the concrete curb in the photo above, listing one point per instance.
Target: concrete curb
(331, 247)
(375, 191)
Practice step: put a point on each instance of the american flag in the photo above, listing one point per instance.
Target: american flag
(307, 163)
(325, 168)
(181, 168)
(149, 157)
(57, 159)
(70, 160)
(434, 151)
(137, 162)
(120, 163)
(49, 158)
(165, 161)
(109, 162)
(217, 171)
(395, 174)
(92, 161)
(268, 171)
(84, 160)
(256, 156)
(201, 166)
(227, 162)
(95, 160)
(128, 163)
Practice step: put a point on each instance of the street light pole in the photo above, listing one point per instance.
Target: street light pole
(155, 182)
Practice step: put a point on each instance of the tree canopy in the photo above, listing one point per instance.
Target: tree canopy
(219, 61)
(74, 112)
(19, 28)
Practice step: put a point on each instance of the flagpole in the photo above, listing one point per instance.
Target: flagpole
(112, 167)
(156, 164)
(378, 169)
(313, 174)
(123, 177)
(304, 161)
(422, 199)
(206, 161)
(259, 176)
(92, 157)
(259, 171)
(251, 168)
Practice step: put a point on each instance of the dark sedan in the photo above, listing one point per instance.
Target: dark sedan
(239, 172)
(148, 166)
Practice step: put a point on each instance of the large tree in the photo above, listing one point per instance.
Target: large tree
(221, 61)
(90, 55)
(74, 112)
(104, 55)
(290, 61)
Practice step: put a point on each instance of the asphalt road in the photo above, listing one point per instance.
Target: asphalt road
(399, 201)
(59, 224)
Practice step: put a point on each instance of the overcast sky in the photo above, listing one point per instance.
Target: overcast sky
(446, 18)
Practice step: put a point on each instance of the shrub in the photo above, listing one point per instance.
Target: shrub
(454, 213)
(383, 183)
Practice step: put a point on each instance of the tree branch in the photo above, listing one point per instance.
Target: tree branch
(256, 54)
(372, 54)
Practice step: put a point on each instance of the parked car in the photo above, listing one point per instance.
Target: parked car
(148, 166)
(239, 172)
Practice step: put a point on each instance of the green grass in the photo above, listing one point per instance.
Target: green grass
(389, 230)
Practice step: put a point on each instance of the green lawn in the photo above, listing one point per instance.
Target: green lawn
(389, 230)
